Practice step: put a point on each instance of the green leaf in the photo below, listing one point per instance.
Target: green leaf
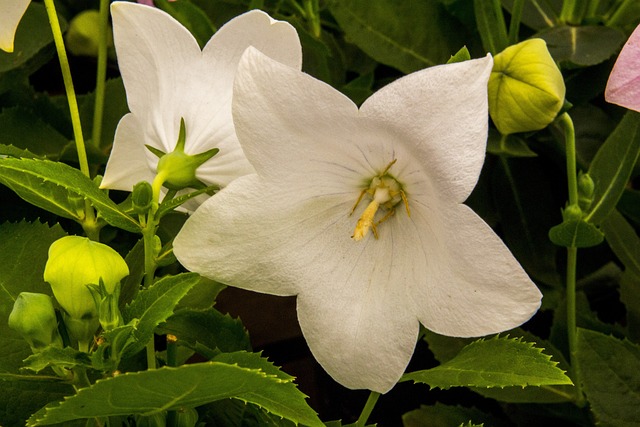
(612, 166)
(630, 296)
(491, 25)
(22, 395)
(460, 56)
(66, 357)
(24, 250)
(497, 362)
(576, 233)
(203, 295)
(209, 328)
(188, 385)
(154, 305)
(232, 412)
(623, 240)
(115, 107)
(406, 35)
(440, 415)
(538, 14)
(26, 131)
(508, 146)
(609, 370)
(32, 36)
(49, 186)
(170, 205)
(583, 45)
(191, 16)
(112, 346)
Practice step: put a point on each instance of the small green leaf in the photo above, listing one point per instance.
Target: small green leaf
(583, 45)
(188, 385)
(440, 415)
(576, 233)
(460, 56)
(497, 362)
(154, 305)
(612, 166)
(49, 186)
(418, 36)
(53, 356)
(610, 377)
(209, 328)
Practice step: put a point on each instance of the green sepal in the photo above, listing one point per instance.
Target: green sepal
(496, 362)
(508, 145)
(169, 205)
(460, 56)
(576, 233)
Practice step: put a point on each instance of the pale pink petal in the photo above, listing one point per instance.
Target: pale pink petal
(623, 87)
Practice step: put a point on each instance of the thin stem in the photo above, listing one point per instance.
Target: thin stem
(312, 10)
(68, 84)
(101, 75)
(368, 408)
(572, 330)
(620, 14)
(592, 9)
(516, 17)
(572, 11)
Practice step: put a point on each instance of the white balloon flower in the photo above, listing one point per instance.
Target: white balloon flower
(359, 212)
(169, 80)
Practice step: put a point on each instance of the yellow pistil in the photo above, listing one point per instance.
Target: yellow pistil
(385, 192)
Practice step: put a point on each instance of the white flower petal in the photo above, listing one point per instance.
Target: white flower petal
(12, 11)
(442, 114)
(128, 163)
(471, 284)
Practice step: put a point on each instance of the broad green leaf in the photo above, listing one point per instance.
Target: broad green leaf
(576, 233)
(23, 395)
(491, 25)
(584, 45)
(191, 16)
(66, 357)
(188, 385)
(26, 131)
(538, 14)
(623, 240)
(497, 362)
(612, 166)
(32, 36)
(115, 107)
(49, 185)
(130, 286)
(154, 305)
(609, 372)
(406, 35)
(629, 205)
(209, 328)
(24, 249)
(202, 296)
(440, 415)
(523, 195)
(232, 412)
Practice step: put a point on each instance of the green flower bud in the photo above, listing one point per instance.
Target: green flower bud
(526, 88)
(572, 212)
(186, 417)
(142, 197)
(156, 420)
(177, 168)
(109, 314)
(34, 317)
(586, 188)
(83, 35)
(75, 262)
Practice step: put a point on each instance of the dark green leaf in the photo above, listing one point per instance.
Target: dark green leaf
(582, 45)
(115, 107)
(188, 385)
(576, 233)
(498, 362)
(154, 305)
(191, 16)
(53, 356)
(23, 130)
(609, 372)
(441, 415)
(623, 240)
(538, 14)
(232, 412)
(491, 25)
(508, 145)
(612, 166)
(209, 328)
(203, 295)
(49, 185)
(22, 395)
(630, 296)
(406, 35)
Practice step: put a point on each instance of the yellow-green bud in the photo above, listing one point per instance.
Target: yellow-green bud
(526, 88)
(83, 35)
(75, 262)
(586, 188)
(34, 317)
(572, 212)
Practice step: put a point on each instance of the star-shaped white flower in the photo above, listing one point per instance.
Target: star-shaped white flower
(11, 12)
(168, 78)
(413, 151)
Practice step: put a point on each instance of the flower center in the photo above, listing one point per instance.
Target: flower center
(385, 193)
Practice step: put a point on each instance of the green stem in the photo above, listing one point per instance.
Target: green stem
(68, 85)
(491, 25)
(592, 9)
(516, 17)
(101, 76)
(313, 15)
(572, 11)
(570, 148)
(620, 14)
(368, 408)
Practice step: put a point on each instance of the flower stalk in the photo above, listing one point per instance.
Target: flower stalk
(98, 108)
(368, 408)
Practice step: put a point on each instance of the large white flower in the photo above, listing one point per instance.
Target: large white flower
(168, 77)
(11, 12)
(413, 151)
